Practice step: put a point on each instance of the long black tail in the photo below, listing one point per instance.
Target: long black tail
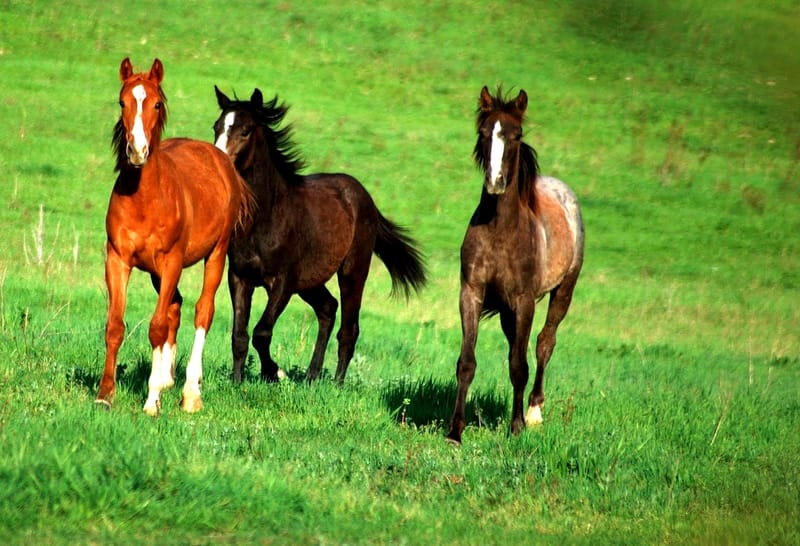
(401, 256)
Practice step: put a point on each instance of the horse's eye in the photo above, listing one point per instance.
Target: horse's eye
(245, 133)
(158, 106)
(122, 103)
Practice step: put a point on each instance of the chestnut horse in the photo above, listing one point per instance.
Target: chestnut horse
(174, 203)
(308, 229)
(525, 240)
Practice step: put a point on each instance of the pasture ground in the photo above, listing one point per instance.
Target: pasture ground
(672, 414)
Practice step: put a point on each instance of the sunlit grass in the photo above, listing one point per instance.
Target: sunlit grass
(672, 410)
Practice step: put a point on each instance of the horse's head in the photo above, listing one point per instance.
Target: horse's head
(144, 110)
(238, 127)
(497, 150)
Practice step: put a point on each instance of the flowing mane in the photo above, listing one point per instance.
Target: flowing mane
(283, 153)
(528, 165)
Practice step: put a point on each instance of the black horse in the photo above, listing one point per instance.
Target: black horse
(524, 240)
(305, 230)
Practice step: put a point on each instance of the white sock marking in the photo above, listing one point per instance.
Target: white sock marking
(534, 416)
(160, 377)
(194, 370)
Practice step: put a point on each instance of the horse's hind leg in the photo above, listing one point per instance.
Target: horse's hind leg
(351, 290)
(560, 299)
(324, 305)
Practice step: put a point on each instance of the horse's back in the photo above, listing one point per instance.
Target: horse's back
(339, 194)
(560, 231)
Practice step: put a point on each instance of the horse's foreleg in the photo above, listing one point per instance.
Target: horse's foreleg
(167, 370)
(324, 305)
(517, 328)
(560, 299)
(262, 333)
(191, 401)
(470, 305)
(163, 350)
(117, 275)
(241, 300)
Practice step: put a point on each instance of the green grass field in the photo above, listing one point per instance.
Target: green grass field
(673, 414)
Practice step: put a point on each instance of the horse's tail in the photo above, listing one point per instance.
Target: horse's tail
(401, 256)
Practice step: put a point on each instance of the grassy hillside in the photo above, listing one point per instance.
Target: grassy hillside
(672, 412)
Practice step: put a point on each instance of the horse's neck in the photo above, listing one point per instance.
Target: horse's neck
(143, 183)
(267, 183)
(504, 211)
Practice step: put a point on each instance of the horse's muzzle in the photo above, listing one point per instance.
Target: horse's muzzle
(137, 158)
(496, 186)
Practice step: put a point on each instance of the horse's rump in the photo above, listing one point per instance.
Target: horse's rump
(559, 232)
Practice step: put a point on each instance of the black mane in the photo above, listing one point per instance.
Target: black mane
(285, 158)
(118, 145)
(528, 169)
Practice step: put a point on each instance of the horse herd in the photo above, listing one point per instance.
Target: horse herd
(179, 201)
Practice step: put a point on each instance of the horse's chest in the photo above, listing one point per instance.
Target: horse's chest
(499, 259)
(246, 261)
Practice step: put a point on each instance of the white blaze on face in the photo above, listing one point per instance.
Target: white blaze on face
(222, 139)
(496, 154)
(139, 138)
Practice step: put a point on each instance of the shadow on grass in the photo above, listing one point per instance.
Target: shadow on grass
(428, 402)
(131, 376)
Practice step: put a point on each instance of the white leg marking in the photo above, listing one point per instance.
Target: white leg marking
(534, 416)
(496, 155)
(222, 139)
(160, 378)
(194, 373)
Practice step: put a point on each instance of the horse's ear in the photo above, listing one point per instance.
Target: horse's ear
(156, 73)
(521, 101)
(125, 69)
(486, 99)
(222, 99)
(257, 99)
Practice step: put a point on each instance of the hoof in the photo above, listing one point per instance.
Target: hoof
(280, 375)
(453, 441)
(191, 404)
(534, 417)
(102, 404)
(152, 408)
